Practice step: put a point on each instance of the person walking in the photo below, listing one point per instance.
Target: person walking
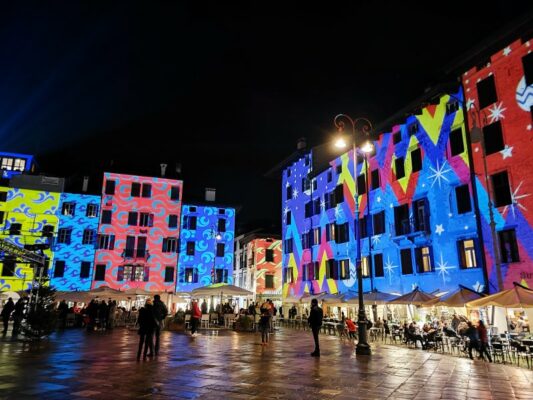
(315, 321)
(147, 323)
(18, 314)
(196, 316)
(160, 313)
(472, 334)
(264, 322)
(483, 341)
(6, 313)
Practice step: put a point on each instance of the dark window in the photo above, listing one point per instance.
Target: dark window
(15, 229)
(288, 172)
(141, 247)
(378, 222)
(106, 242)
(361, 184)
(190, 222)
(308, 209)
(192, 209)
(99, 274)
(467, 253)
(399, 168)
(331, 272)
(375, 179)
(416, 160)
(9, 267)
(342, 233)
(306, 240)
(306, 184)
(169, 274)
(106, 216)
(132, 218)
(69, 209)
(330, 232)
(92, 210)
(315, 183)
(407, 262)
(378, 265)
(412, 128)
(316, 270)
(3, 196)
(190, 248)
(221, 275)
(221, 248)
(401, 220)
(508, 246)
(85, 269)
(462, 195)
(486, 92)
(89, 236)
(339, 194)
(146, 219)
(135, 189)
(147, 190)
(172, 221)
(330, 176)
(527, 62)
(269, 255)
(501, 189)
(493, 136)
(287, 246)
(338, 169)
(63, 235)
(59, 269)
(269, 281)
(424, 259)
(363, 231)
(452, 106)
(48, 231)
(2, 218)
(221, 211)
(289, 192)
(170, 245)
(456, 142)
(316, 206)
(289, 217)
(190, 275)
(421, 215)
(129, 250)
(175, 193)
(110, 187)
(397, 137)
(221, 225)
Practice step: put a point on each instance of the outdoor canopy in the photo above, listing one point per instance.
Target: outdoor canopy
(517, 297)
(417, 297)
(457, 298)
(220, 289)
(373, 297)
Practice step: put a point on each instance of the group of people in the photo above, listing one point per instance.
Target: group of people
(151, 319)
(15, 310)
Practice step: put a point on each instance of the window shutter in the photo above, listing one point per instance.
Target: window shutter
(461, 253)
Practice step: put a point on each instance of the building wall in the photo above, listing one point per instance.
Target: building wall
(440, 174)
(204, 261)
(33, 209)
(14, 164)
(75, 252)
(512, 109)
(154, 261)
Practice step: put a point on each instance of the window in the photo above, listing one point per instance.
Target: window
(68, 209)
(401, 220)
(221, 248)
(129, 250)
(339, 194)
(421, 215)
(342, 233)
(9, 267)
(106, 242)
(361, 184)
(2, 217)
(269, 255)
(59, 269)
(85, 269)
(92, 210)
(365, 268)
(110, 187)
(399, 168)
(146, 219)
(190, 248)
(175, 193)
(412, 128)
(316, 270)
(3, 196)
(338, 169)
(191, 275)
(7, 163)
(397, 137)
(132, 218)
(363, 224)
(462, 195)
(169, 274)
(378, 265)
(135, 189)
(306, 185)
(493, 137)
(221, 211)
(269, 281)
(486, 92)
(316, 206)
(221, 275)
(378, 222)
(48, 231)
(287, 246)
(63, 235)
(141, 247)
(192, 209)
(501, 189)
(508, 246)
(330, 232)
(423, 259)
(289, 217)
(288, 172)
(189, 222)
(331, 266)
(15, 229)
(89, 236)
(147, 190)
(467, 253)
(307, 270)
(456, 142)
(527, 63)
(452, 106)
(374, 179)
(315, 184)
(172, 221)
(329, 199)
(99, 274)
(316, 236)
(289, 192)
(329, 176)
(19, 165)
(407, 262)
(416, 160)
(136, 273)
(221, 225)
(308, 209)
(344, 269)
(106, 216)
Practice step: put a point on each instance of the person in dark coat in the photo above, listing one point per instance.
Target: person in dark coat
(6, 313)
(103, 313)
(472, 334)
(160, 313)
(147, 324)
(483, 341)
(18, 314)
(315, 322)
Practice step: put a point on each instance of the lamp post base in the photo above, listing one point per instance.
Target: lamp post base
(363, 349)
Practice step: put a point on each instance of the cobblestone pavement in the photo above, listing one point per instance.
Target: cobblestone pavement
(229, 365)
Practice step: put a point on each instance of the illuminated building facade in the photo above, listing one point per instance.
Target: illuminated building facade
(13, 164)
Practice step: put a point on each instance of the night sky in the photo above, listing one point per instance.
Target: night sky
(225, 90)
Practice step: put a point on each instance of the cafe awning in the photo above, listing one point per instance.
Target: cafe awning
(517, 297)
(457, 298)
(417, 297)
(220, 289)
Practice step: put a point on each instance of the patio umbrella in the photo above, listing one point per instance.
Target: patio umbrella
(222, 289)
(80, 296)
(517, 297)
(106, 292)
(373, 297)
(6, 295)
(417, 297)
(138, 292)
(336, 298)
(457, 298)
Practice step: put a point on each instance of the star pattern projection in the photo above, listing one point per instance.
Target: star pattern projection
(389, 269)
(496, 112)
(439, 174)
(442, 268)
(515, 200)
(507, 151)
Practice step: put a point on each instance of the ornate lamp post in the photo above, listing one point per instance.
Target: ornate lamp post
(363, 126)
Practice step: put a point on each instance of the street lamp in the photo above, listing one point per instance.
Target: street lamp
(216, 237)
(363, 126)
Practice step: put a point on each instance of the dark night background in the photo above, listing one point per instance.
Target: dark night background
(224, 89)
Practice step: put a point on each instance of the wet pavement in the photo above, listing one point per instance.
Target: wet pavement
(228, 365)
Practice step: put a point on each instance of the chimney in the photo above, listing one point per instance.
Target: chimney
(85, 185)
(301, 144)
(210, 194)
(163, 169)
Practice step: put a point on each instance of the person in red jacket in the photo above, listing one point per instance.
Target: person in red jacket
(196, 316)
(351, 327)
(483, 341)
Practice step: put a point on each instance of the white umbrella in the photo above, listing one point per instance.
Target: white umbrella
(222, 289)
(6, 295)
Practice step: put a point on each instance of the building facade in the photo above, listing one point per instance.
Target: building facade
(138, 234)
(75, 240)
(499, 99)
(13, 164)
(417, 224)
(206, 246)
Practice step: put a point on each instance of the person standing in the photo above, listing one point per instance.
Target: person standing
(111, 314)
(6, 313)
(483, 341)
(18, 314)
(264, 322)
(196, 316)
(204, 307)
(147, 325)
(315, 321)
(472, 334)
(160, 313)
